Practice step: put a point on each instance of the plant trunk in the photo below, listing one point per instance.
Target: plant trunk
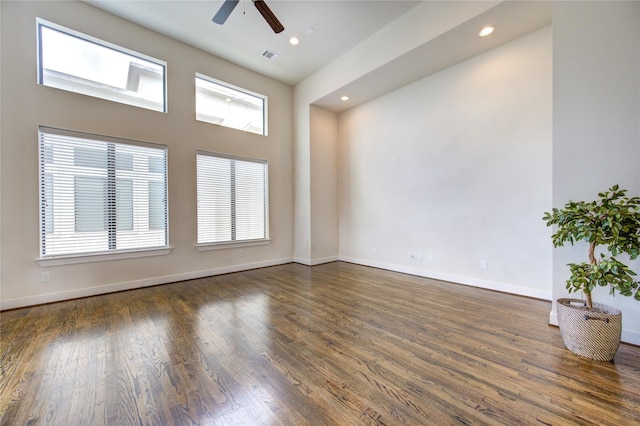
(589, 301)
(593, 261)
(592, 251)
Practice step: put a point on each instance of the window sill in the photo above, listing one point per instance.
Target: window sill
(238, 244)
(101, 257)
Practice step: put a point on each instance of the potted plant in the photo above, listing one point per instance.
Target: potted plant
(611, 227)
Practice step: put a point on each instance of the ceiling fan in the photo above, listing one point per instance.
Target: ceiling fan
(228, 6)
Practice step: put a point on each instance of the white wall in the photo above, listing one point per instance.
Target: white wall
(420, 25)
(458, 166)
(596, 121)
(25, 105)
(324, 186)
(302, 183)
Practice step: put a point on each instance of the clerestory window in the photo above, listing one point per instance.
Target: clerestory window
(226, 105)
(76, 62)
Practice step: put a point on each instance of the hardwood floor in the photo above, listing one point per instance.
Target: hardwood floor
(335, 344)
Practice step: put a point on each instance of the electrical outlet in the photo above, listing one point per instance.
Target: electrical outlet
(241, 252)
(484, 264)
(430, 258)
(419, 257)
(44, 277)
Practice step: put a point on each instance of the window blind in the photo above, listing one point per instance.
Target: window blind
(232, 198)
(100, 194)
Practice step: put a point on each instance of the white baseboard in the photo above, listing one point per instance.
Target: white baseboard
(632, 337)
(302, 261)
(313, 262)
(322, 260)
(130, 285)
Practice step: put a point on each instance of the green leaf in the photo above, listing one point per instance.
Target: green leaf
(611, 222)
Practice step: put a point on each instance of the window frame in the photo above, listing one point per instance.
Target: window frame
(44, 211)
(217, 245)
(102, 43)
(264, 98)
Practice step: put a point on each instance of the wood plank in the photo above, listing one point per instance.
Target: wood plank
(334, 344)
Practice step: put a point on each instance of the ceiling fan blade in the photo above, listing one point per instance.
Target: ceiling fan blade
(268, 16)
(224, 11)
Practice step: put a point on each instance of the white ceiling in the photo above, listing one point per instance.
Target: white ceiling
(512, 19)
(338, 26)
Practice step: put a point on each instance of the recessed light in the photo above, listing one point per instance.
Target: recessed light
(294, 40)
(486, 31)
(344, 98)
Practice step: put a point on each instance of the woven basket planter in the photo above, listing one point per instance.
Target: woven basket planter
(593, 334)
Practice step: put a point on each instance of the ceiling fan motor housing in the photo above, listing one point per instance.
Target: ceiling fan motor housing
(229, 5)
